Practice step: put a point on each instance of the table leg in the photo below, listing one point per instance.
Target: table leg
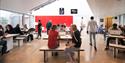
(78, 56)
(45, 56)
(115, 49)
(18, 43)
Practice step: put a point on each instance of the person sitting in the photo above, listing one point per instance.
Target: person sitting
(53, 36)
(17, 30)
(101, 29)
(76, 43)
(3, 42)
(25, 29)
(9, 29)
(30, 34)
(111, 31)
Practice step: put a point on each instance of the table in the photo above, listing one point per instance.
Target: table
(45, 49)
(9, 38)
(116, 42)
(117, 37)
(62, 37)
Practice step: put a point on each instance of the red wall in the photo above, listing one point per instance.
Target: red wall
(55, 20)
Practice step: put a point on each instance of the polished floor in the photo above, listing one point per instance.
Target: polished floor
(29, 53)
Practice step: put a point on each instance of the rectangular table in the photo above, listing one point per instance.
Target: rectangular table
(9, 38)
(45, 49)
(62, 37)
(116, 42)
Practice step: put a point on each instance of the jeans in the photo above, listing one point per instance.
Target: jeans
(3, 43)
(93, 35)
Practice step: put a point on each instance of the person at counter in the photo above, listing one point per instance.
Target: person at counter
(3, 42)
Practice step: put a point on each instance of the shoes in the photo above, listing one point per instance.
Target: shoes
(95, 48)
(106, 48)
(90, 44)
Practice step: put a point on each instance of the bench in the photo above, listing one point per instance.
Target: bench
(20, 40)
(45, 49)
(115, 46)
(25, 39)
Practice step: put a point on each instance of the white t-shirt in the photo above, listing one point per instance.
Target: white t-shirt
(92, 26)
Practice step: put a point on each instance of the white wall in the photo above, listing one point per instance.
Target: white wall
(53, 9)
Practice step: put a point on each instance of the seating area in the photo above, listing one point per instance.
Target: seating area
(30, 52)
(62, 31)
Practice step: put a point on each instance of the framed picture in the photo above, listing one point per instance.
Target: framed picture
(74, 11)
(61, 11)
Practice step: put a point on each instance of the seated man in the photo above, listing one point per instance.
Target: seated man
(114, 30)
(3, 42)
(53, 39)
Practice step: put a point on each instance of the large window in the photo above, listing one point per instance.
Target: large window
(10, 18)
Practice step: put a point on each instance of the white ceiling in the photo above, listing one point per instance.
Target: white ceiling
(22, 6)
(100, 8)
(103, 8)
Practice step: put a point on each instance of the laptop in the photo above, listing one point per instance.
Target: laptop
(62, 33)
(115, 32)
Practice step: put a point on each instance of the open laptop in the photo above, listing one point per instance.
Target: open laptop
(62, 33)
(115, 32)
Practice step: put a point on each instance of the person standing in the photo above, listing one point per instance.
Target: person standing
(82, 25)
(39, 29)
(92, 26)
(48, 25)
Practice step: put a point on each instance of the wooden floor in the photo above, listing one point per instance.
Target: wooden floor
(29, 53)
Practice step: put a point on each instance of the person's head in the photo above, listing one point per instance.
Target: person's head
(102, 25)
(92, 18)
(1, 28)
(115, 17)
(54, 27)
(9, 27)
(114, 26)
(81, 17)
(25, 26)
(38, 21)
(17, 25)
(73, 27)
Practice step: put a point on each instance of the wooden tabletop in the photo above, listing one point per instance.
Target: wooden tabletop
(116, 36)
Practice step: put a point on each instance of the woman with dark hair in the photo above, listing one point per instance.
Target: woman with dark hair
(9, 29)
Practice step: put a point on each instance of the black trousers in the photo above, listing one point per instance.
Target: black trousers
(30, 37)
(3, 43)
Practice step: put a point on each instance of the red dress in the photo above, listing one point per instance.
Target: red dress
(52, 39)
